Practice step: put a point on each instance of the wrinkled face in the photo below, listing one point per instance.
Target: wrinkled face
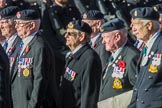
(109, 41)
(72, 38)
(7, 27)
(2, 3)
(22, 27)
(139, 29)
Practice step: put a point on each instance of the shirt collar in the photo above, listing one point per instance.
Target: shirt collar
(118, 51)
(79, 47)
(150, 42)
(28, 39)
(93, 40)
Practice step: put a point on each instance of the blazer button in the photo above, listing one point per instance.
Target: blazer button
(136, 76)
(137, 100)
(150, 77)
(135, 89)
(142, 102)
(146, 90)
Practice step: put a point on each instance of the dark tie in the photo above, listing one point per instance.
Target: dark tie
(110, 59)
(5, 45)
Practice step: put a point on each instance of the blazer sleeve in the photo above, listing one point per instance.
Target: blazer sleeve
(40, 80)
(90, 83)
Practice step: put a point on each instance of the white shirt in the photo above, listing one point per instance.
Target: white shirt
(11, 41)
(151, 41)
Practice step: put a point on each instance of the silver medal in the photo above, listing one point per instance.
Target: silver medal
(144, 61)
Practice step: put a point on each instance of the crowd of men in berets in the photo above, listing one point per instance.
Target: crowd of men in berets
(80, 54)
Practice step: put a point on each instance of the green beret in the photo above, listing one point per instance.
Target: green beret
(28, 14)
(158, 8)
(147, 13)
(80, 25)
(8, 12)
(111, 25)
(92, 15)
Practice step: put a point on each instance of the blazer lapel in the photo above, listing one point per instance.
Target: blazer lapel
(21, 56)
(153, 49)
(111, 68)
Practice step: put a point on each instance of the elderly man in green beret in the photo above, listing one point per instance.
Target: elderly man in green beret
(147, 90)
(119, 75)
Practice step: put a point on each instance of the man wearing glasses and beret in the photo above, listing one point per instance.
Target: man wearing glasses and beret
(81, 79)
(7, 26)
(32, 76)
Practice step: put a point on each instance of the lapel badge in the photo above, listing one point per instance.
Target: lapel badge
(27, 49)
(117, 84)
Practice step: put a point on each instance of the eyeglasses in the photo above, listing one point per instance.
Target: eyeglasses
(4, 22)
(22, 24)
(71, 33)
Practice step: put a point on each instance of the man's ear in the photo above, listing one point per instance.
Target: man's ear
(82, 36)
(149, 25)
(117, 37)
(32, 25)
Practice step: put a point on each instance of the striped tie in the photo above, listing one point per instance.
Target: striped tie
(5, 45)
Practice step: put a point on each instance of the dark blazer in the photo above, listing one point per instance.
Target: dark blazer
(147, 90)
(4, 80)
(101, 51)
(129, 55)
(14, 45)
(81, 80)
(32, 76)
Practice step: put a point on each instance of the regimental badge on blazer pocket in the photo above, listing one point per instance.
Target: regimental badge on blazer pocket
(25, 67)
(156, 61)
(70, 74)
(118, 74)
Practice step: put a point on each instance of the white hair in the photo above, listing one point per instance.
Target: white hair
(156, 24)
(123, 31)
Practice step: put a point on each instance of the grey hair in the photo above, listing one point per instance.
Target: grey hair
(156, 24)
(38, 21)
(123, 31)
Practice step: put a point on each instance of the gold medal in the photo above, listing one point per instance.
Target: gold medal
(153, 68)
(117, 84)
(26, 72)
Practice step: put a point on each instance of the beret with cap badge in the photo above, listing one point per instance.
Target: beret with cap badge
(8, 12)
(27, 14)
(80, 25)
(92, 15)
(111, 25)
(158, 8)
(147, 13)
